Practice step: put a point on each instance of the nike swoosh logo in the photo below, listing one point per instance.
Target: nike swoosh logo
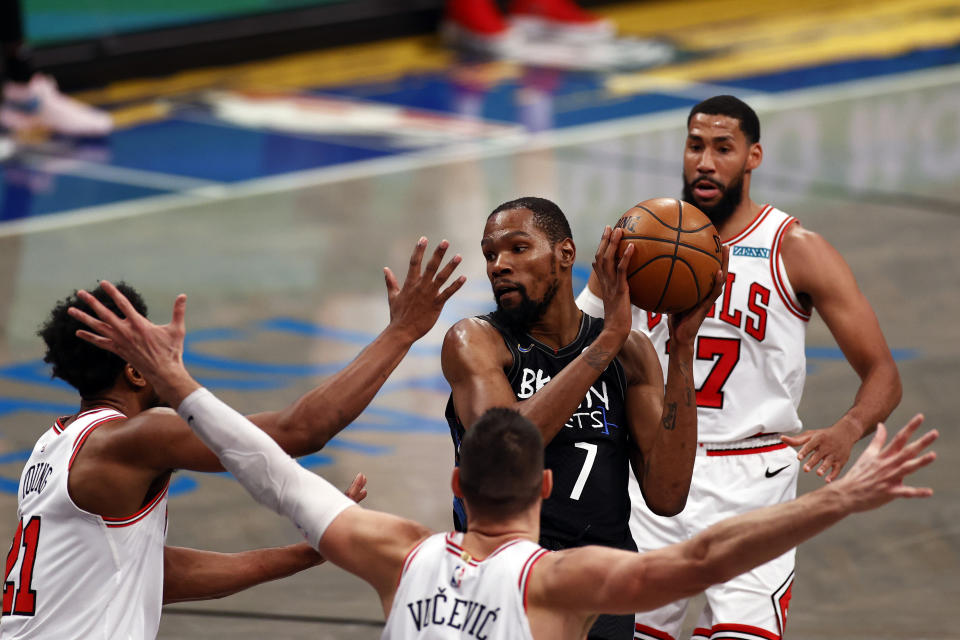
(770, 474)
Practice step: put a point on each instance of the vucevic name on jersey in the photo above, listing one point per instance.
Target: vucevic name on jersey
(589, 503)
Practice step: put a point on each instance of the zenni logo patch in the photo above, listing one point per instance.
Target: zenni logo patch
(751, 252)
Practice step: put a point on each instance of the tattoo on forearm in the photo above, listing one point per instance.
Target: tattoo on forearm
(688, 386)
(669, 421)
(597, 358)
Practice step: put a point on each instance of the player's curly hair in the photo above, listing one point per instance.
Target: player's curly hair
(733, 107)
(85, 367)
(501, 463)
(546, 215)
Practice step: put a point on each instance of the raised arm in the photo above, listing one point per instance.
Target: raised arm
(823, 279)
(591, 580)
(473, 356)
(156, 441)
(415, 307)
(663, 418)
(371, 544)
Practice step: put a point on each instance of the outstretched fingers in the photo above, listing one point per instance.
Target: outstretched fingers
(102, 312)
(903, 436)
(416, 259)
(96, 340)
(434, 263)
(445, 273)
(451, 289)
(393, 286)
(178, 319)
(95, 324)
(122, 303)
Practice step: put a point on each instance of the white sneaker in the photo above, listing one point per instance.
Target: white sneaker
(7, 147)
(40, 105)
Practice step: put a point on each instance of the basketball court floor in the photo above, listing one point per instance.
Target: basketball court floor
(276, 219)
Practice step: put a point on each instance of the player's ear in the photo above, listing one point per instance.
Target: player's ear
(547, 488)
(566, 253)
(754, 156)
(133, 377)
(455, 483)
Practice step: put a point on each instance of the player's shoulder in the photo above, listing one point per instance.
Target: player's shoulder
(801, 245)
(468, 330)
(470, 339)
(150, 420)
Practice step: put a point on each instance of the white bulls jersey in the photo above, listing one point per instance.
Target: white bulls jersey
(444, 593)
(749, 359)
(70, 573)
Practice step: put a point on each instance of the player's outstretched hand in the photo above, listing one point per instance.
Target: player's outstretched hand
(156, 351)
(826, 450)
(612, 280)
(357, 490)
(415, 306)
(877, 476)
(684, 326)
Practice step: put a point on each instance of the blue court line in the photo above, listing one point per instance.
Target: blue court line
(13, 405)
(15, 456)
(394, 420)
(305, 328)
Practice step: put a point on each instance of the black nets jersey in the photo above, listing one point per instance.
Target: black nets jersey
(589, 456)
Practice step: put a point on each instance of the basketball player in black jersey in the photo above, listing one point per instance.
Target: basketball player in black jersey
(605, 407)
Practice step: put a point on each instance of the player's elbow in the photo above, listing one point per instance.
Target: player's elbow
(667, 504)
(668, 509)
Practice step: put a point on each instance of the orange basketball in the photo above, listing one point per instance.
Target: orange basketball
(675, 257)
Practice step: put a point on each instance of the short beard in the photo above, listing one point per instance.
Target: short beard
(522, 317)
(732, 196)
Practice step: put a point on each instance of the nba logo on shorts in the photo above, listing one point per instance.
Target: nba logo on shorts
(457, 578)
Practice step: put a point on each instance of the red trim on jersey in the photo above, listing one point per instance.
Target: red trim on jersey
(793, 306)
(739, 452)
(750, 228)
(139, 515)
(58, 426)
(528, 566)
(717, 632)
(653, 633)
(457, 550)
(408, 559)
(83, 435)
(700, 632)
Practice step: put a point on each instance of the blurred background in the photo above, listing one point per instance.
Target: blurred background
(269, 157)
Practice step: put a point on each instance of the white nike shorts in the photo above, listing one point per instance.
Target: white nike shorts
(728, 480)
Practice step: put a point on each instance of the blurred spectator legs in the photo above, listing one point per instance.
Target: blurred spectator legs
(31, 100)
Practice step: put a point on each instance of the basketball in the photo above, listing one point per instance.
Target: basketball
(675, 257)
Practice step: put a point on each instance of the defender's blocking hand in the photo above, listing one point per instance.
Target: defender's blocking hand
(416, 305)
